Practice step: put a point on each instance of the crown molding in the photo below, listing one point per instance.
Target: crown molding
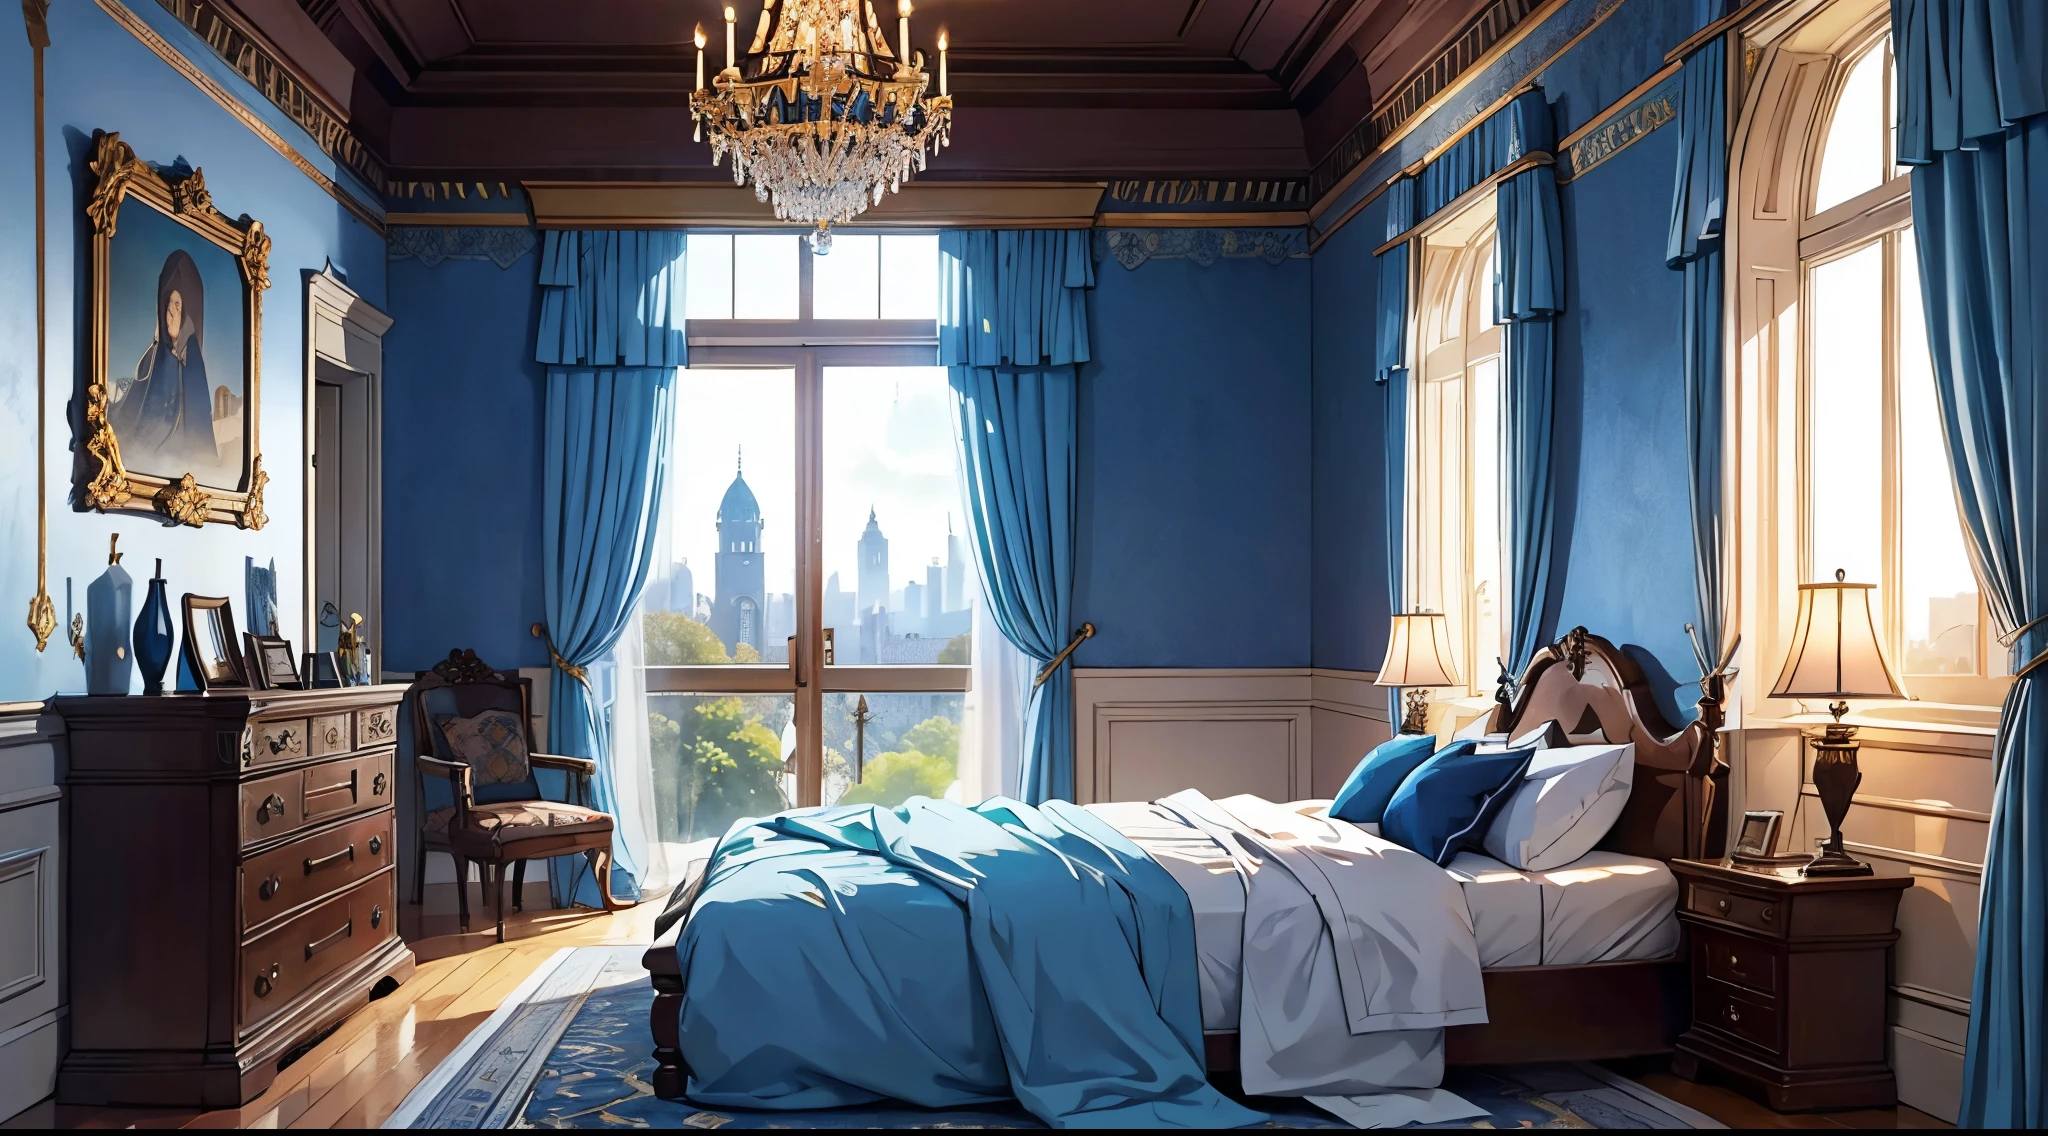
(644, 205)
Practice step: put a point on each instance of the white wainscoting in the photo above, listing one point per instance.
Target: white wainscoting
(1923, 811)
(31, 945)
(1282, 733)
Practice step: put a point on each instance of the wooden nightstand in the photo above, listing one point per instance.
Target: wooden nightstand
(1788, 982)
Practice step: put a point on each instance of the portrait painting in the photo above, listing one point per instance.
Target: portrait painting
(171, 396)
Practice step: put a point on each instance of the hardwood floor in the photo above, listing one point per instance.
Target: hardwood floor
(358, 1075)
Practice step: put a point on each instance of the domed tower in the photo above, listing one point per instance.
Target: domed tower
(740, 606)
(871, 585)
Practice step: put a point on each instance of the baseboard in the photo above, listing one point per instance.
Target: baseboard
(28, 1062)
(1929, 1071)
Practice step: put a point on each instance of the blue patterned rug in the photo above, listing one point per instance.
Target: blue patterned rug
(570, 1049)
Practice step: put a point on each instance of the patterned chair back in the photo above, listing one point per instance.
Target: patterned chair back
(463, 687)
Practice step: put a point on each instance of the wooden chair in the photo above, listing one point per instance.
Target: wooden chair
(498, 816)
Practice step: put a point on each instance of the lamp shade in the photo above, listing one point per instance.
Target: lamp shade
(1836, 651)
(1419, 652)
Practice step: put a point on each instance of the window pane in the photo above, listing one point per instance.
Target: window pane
(844, 283)
(726, 560)
(910, 277)
(707, 266)
(899, 583)
(1847, 417)
(717, 758)
(1852, 158)
(909, 747)
(1939, 589)
(764, 276)
(1488, 601)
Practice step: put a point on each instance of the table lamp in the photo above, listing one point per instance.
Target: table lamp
(1836, 654)
(1418, 657)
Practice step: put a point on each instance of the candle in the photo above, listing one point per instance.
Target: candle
(903, 29)
(700, 56)
(846, 35)
(942, 61)
(731, 61)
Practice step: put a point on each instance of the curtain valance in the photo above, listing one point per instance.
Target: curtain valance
(1967, 69)
(1392, 340)
(1530, 281)
(612, 299)
(1014, 298)
(1515, 131)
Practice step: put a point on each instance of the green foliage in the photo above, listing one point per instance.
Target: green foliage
(958, 651)
(745, 653)
(718, 763)
(675, 640)
(939, 737)
(894, 778)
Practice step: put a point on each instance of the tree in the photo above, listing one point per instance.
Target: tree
(958, 651)
(722, 762)
(673, 639)
(939, 737)
(745, 653)
(893, 778)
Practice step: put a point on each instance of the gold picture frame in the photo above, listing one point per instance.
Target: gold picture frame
(173, 466)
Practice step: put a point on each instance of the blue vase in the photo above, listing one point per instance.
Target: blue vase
(153, 638)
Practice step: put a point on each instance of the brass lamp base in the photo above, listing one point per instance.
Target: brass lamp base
(1416, 721)
(1835, 778)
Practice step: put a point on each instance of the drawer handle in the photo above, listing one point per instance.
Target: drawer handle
(340, 933)
(266, 981)
(1733, 961)
(268, 888)
(1721, 905)
(284, 740)
(1768, 912)
(273, 805)
(1734, 1015)
(314, 864)
(376, 845)
(348, 786)
(377, 916)
(377, 785)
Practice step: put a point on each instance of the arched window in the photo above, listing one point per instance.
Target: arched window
(1455, 529)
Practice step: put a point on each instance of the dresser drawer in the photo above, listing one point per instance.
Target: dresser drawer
(282, 963)
(272, 742)
(1745, 911)
(331, 733)
(1739, 1013)
(348, 786)
(377, 727)
(1740, 962)
(272, 806)
(284, 878)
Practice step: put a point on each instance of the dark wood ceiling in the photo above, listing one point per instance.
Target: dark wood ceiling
(1044, 88)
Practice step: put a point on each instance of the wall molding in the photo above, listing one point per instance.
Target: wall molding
(1629, 120)
(629, 205)
(502, 245)
(1133, 247)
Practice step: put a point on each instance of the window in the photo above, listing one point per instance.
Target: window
(1455, 527)
(807, 630)
(1876, 496)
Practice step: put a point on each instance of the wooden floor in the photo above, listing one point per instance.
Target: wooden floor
(359, 1074)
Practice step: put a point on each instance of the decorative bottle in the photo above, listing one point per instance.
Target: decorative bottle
(109, 615)
(153, 637)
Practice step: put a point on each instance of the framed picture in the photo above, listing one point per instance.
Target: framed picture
(271, 662)
(1756, 841)
(173, 359)
(212, 650)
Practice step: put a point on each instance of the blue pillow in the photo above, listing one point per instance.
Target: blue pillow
(1364, 797)
(1447, 804)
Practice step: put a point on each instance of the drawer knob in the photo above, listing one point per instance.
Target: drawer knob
(273, 805)
(377, 915)
(1733, 961)
(377, 785)
(1734, 1015)
(376, 845)
(1768, 912)
(1721, 905)
(266, 981)
(268, 888)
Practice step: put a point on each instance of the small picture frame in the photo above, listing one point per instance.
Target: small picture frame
(271, 663)
(212, 650)
(1756, 841)
(319, 670)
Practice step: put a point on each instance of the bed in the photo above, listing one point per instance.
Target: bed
(1577, 963)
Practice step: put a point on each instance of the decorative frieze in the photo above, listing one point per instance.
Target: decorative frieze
(1133, 247)
(430, 245)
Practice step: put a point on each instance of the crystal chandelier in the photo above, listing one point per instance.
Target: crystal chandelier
(822, 114)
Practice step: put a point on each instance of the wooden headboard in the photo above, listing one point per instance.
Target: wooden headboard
(1678, 807)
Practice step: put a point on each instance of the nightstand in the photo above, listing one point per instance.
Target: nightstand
(1789, 980)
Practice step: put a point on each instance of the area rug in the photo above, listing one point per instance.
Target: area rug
(570, 1049)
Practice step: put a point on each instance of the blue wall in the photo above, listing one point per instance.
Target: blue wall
(98, 75)
(462, 464)
(1349, 486)
(1194, 469)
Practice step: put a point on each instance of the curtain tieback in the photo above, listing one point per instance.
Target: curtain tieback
(2016, 640)
(580, 674)
(1087, 632)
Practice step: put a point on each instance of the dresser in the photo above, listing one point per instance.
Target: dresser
(1789, 981)
(230, 885)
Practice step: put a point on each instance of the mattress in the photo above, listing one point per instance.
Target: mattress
(1603, 907)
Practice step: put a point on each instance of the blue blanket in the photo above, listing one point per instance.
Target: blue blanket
(945, 956)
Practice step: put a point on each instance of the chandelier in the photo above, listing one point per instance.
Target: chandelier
(822, 114)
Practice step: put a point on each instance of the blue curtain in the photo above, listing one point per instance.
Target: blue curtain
(1528, 292)
(1972, 93)
(1513, 132)
(1693, 247)
(611, 332)
(1391, 343)
(1013, 326)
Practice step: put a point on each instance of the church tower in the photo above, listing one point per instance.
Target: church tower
(740, 610)
(871, 587)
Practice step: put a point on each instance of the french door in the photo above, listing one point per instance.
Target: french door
(813, 642)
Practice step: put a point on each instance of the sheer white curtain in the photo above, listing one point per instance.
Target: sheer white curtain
(992, 735)
(638, 828)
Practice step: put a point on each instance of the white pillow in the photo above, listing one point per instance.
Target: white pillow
(1567, 801)
(1549, 735)
(1476, 730)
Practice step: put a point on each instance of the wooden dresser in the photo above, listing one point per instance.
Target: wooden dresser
(231, 885)
(1789, 977)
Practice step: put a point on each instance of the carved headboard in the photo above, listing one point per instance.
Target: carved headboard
(1678, 807)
